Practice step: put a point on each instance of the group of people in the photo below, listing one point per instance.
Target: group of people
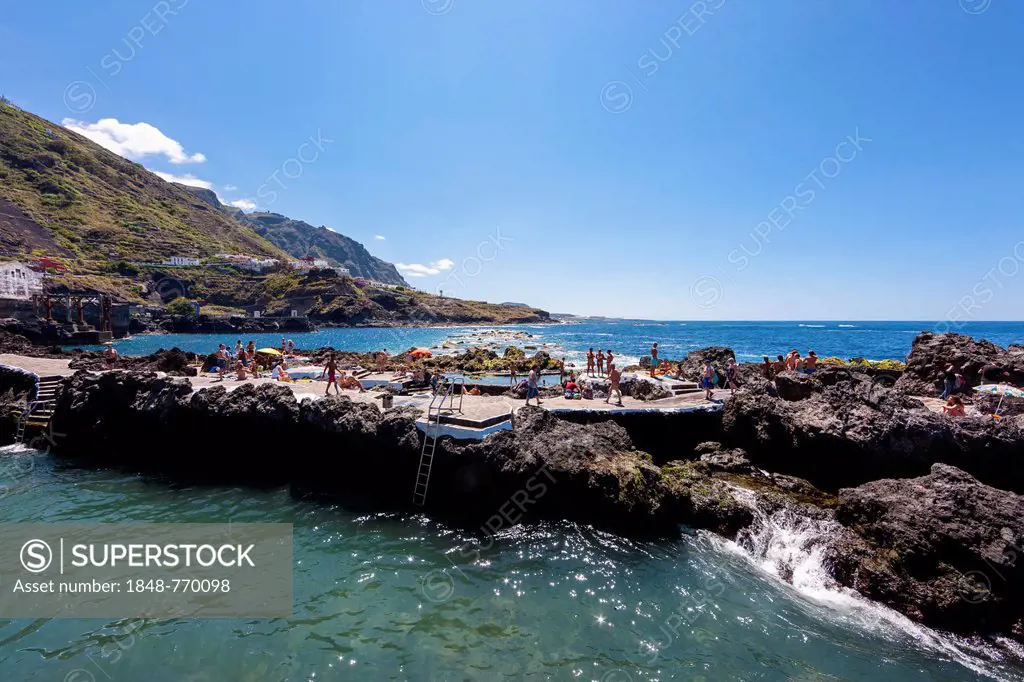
(242, 361)
(578, 388)
(792, 362)
(954, 384)
(338, 378)
(596, 363)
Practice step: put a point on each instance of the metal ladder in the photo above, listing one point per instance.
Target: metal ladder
(430, 436)
(39, 412)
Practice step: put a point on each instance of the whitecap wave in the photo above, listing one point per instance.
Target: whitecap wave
(790, 547)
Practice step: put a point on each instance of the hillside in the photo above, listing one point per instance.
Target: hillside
(300, 239)
(63, 195)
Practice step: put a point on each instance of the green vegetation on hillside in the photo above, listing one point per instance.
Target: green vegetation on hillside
(66, 197)
(90, 206)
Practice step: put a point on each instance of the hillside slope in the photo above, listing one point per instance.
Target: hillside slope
(63, 195)
(300, 239)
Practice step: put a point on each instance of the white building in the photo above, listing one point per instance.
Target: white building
(183, 261)
(19, 281)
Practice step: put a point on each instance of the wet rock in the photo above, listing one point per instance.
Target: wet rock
(705, 501)
(931, 353)
(943, 549)
(731, 461)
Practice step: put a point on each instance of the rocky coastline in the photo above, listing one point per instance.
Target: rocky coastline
(925, 511)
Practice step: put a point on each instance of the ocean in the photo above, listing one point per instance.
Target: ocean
(628, 339)
(391, 597)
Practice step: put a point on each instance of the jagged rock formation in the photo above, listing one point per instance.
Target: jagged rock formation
(931, 353)
(839, 428)
(943, 549)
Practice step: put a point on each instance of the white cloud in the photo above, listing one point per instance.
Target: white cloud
(420, 270)
(188, 179)
(133, 141)
(379, 237)
(229, 188)
(244, 204)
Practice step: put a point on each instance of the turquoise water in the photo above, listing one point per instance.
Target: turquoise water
(391, 597)
(628, 339)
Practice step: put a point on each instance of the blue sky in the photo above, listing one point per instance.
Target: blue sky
(668, 160)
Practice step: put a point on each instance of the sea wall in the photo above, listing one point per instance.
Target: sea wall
(663, 434)
(262, 435)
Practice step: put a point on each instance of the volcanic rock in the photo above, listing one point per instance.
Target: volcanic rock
(931, 353)
(943, 549)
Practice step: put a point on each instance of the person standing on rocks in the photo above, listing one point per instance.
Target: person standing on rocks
(707, 382)
(608, 358)
(615, 376)
(654, 358)
(600, 362)
(590, 362)
(767, 371)
(533, 385)
(948, 381)
(731, 370)
(382, 357)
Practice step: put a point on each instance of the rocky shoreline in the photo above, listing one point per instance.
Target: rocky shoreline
(924, 511)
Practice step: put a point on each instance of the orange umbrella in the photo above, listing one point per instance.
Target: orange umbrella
(420, 353)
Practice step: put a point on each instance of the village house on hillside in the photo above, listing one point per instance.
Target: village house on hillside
(19, 281)
(183, 261)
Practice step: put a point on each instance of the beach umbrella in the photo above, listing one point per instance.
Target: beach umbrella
(1001, 390)
(420, 353)
(269, 351)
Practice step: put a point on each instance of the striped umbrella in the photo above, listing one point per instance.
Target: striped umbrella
(1001, 390)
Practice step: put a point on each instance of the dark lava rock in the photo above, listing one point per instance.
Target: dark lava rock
(705, 501)
(731, 461)
(641, 389)
(943, 549)
(859, 430)
(175, 362)
(794, 386)
(931, 353)
(590, 473)
(693, 363)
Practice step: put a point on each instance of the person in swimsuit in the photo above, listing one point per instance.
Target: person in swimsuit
(110, 356)
(654, 358)
(767, 371)
(608, 357)
(615, 376)
(954, 407)
(222, 362)
(590, 362)
(331, 370)
(707, 382)
(600, 362)
(284, 346)
(250, 348)
(811, 362)
(780, 365)
(731, 371)
(382, 358)
(350, 382)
